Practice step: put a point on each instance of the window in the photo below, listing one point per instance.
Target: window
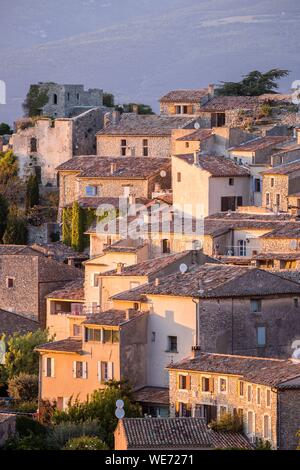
(153, 336)
(268, 397)
(136, 306)
(145, 148)
(250, 422)
(296, 302)
(184, 109)
(78, 96)
(111, 336)
(92, 335)
(267, 199)
(80, 370)
(76, 308)
(91, 191)
(55, 98)
(10, 282)
(249, 393)
(105, 371)
(178, 109)
(123, 147)
(239, 201)
(49, 367)
(68, 96)
(222, 385)
(207, 384)
(257, 185)
(187, 144)
(184, 382)
(172, 344)
(277, 200)
(178, 177)
(185, 410)
(95, 279)
(255, 305)
(267, 427)
(242, 248)
(272, 182)
(241, 388)
(222, 410)
(231, 181)
(258, 395)
(165, 245)
(33, 144)
(261, 335)
(77, 330)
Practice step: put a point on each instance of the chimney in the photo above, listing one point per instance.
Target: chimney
(196, 351)
(195, 158)
(115, 117)
(157, 281)
(113, 167)
(211, 89)
(120, 268)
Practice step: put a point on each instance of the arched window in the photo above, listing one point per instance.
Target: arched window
(55, 98)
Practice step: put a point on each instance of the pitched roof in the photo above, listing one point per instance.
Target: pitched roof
(11, 323)
(16, 250)
(157, 395)
(68, 345)
(146, 125)
(217, 166)
(261, 370)
(285, 169)
(112, 317)
(260, 143)
(184, 96)
(199, 134)
(227, 103)
(73, 290)
(178, 433)
(125, 245)
(95, 202)
(215, 281)
(124, 167)
(287, 230)
(277, 255)
(77, 163)
(148, 267)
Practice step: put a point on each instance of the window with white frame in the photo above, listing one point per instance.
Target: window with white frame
(223, 384)
(49, 367)
(79, 370)
(95, 279)
(255, 305)
(267, 427)
(261, 336)
(105, 371)
(91, 191)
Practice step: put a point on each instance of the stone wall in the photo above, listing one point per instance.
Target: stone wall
(289, 425)
(85, 127)
(281, 187)
(7, 427)
(110, 146)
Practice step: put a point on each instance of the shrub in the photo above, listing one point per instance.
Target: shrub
(32, 192)
(25, 426)
(64, 432)
(261, 444)
(85, 443)
(265, 110)
(23, 387)
(26, 406)
(227, 423)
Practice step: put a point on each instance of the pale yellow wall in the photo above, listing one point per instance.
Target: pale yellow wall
(61, 325)
(111, 285)
(219, 187)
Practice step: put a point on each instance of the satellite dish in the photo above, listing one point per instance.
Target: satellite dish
(119, 403)
(163, 173)
(120, 413)
(183, 268)
(197, 125)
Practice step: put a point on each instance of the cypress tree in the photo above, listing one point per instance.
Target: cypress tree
(3, 215)
(77, 227)
(16, 231)
(32, 192)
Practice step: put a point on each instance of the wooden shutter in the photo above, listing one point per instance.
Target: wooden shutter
(110, 370)
(99, 371)
(188, 382)
(52, 367)
(177, 408)
(211, 385)
(74, 369)
(84, 370)
(190, 109)
(45, 366)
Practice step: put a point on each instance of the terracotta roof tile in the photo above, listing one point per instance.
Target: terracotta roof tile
(199, 134)
(287, 230)
(112, 317)
(157, 395)
(145, 125)
(258, 370)
(11, 323)
(227, 103)
(69, 345)
(184, 96)
(217, 166)
(73, 290)
(260, 143)
(285, 169)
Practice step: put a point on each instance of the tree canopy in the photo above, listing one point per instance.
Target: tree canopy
(36, 98)
(255, 83)
(5, 129)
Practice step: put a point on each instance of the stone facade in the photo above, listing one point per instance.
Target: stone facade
(69, 100)
(110, 146)
(275, 189)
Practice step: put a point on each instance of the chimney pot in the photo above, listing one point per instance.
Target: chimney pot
(120, 268)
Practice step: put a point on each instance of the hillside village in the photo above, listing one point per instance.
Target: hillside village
(160, 250)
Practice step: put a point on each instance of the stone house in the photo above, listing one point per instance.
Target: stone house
(205, 184)
(110, 345)
(218, 308)
(137, 135)
(178, 434)
(279, 261)
(185, 102)
(91, 177)
(283, 239)
(281, 187)
(264, 392)
(68, 100)
(229, 111)
(44, 144)
(26, 277)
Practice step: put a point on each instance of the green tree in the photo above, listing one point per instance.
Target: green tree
(23, 387)
(102, 406)
(32, 192)
(108, 100)
(16, 230)
(5, 129)
(77, 240)
(3, 215)
(8, 167)
(21, 355)
(255, 83)
(36, 98)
